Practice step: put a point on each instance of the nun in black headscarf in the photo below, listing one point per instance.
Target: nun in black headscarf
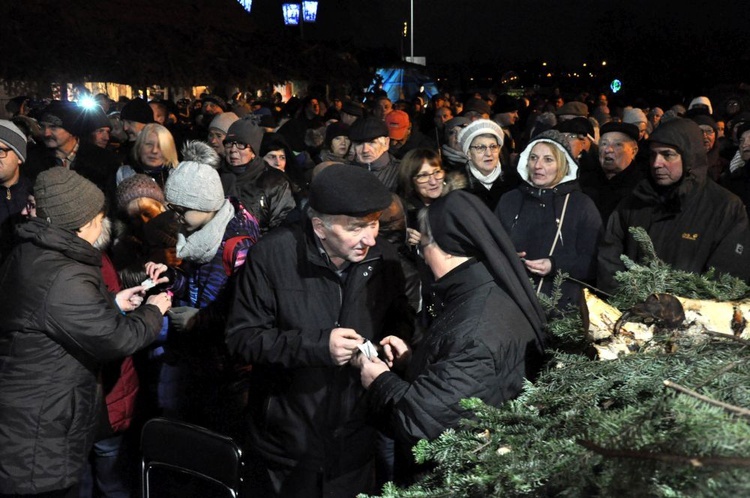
(487, 337)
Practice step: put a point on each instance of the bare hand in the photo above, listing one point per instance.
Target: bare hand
(154, 270)
(395, 350)
(371, 370)
(343, 344)
(540, 267)
(521, 254)
(413, 237)
(163, 301)
(129, 299)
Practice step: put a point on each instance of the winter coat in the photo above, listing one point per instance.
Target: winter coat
(608, 192)
(694, 224)
(305, 411)
(263, 190)
(59, 323)
(479, 345)
(531, 216)
(738, 182)
(507, 181)
(385, 168)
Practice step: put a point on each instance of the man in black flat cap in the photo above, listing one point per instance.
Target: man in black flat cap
(307, 298)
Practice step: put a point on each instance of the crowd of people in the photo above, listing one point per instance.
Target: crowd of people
(323, 281)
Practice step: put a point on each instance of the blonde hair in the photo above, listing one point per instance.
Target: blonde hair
(166, 144)
(562, 161)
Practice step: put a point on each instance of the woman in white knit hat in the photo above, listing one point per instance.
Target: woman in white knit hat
(481, 141)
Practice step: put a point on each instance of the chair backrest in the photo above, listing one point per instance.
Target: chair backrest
(185, 460)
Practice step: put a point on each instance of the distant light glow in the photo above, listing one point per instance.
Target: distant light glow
(246, 4)
(615, 86)
(87, 102)
(291, 13)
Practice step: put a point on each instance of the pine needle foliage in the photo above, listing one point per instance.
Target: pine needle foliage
(590, 428)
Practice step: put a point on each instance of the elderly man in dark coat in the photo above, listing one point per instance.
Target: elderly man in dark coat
(307, 298)
(693, 222)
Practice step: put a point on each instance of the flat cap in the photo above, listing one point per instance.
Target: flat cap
(628, 129)
(348, 190)
(368, 129)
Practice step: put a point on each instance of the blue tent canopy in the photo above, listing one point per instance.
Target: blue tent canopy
(405, 82)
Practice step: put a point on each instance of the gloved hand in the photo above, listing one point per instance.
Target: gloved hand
(183, 318)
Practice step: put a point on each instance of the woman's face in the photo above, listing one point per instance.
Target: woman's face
(150, 153)
(144, 209)
(428, 182)
(340, 146)
(542, 166)
(484, 153)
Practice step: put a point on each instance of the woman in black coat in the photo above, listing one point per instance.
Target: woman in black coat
(486, 339)
(553, 225)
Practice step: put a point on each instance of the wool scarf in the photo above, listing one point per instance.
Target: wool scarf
(201, 246)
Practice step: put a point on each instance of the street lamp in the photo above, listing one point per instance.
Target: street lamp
(291, 13)
(309, 11)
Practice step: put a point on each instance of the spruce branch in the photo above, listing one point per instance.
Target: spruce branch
(730, 408)
(742, 341)
(695, 461)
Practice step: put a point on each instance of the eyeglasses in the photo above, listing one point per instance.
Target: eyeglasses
(238, 145)
(708, 132)
(438, 174)
(482, 149)
(178, 210)
(573, 136)
(4, 152)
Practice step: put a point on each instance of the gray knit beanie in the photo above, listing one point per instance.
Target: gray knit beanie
(13, 137)
(66, 199)
(195, 186)
(136, 186)
(245, 131)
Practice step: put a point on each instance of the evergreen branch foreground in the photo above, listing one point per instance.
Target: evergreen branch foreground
(617, 428)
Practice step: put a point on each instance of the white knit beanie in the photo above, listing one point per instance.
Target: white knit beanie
(479, 127)
(195, 186)
(701, 101)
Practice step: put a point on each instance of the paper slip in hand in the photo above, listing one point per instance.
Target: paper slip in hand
(147, 284)
(368, 350)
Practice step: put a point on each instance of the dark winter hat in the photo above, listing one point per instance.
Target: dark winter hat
(506, 103)
(215, 99)
(348, 190)
(66, 199)
(742, 128)
(368, 129)
(704, 119)
(352, 108)
(336, 129)
(246, 131)
(628, 129)
(573, 108)
(136, 186)
(11, 136)
(66, 115)
(93, 119)
(195, 186)
(476, 105)
(137, 110)
(578, 126)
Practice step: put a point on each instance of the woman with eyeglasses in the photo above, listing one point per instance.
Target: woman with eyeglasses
(264, 190)
(487, 178)
(552, 223)
(154, 154)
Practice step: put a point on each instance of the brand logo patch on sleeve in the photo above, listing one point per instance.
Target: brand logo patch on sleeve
(690, 236)
(739, 249)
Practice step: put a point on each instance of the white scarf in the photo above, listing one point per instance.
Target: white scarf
(201, 246)
(488, 180)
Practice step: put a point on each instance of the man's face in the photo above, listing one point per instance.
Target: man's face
(507, 118)
(382, 107)
(709, 137)
(348, 119)
(346, 238)
(368, 152)
(616, 152)
(9, 163)
(160, 114)
(212, 109)
(578, 143)
(442, 114)
(216, 140)
(276, 159)
(55, 137)
(312, 109)
(744, 141)
(100, 136)
(132, 128)
(666, 164)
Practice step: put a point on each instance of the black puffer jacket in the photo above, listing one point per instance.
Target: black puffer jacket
(265, 191)
(58, 325)
(480, 345)
(305, 411)
(694, 224)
